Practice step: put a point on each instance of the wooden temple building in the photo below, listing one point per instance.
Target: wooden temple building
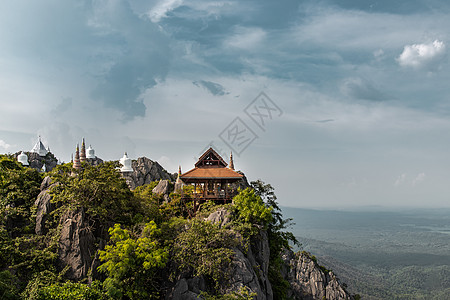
(213, 179)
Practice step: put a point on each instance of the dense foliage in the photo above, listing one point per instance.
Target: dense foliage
(100, 190)
(150, 242)
(131, 263)
(19, 188)
(279, 238)
(206, 248)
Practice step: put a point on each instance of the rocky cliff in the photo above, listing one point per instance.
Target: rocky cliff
(310, 281)
(38, 162)
(307, 280)
(81, 236)
(145, 171)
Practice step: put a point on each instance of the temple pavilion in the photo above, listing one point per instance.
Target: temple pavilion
(213, 179)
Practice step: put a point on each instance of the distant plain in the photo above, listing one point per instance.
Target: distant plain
(380, 253)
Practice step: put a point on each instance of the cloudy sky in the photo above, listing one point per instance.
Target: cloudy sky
(335, 103)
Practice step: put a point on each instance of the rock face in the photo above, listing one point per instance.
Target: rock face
(76, 244)
(250, 270)
(163, 188)
(37, 162)
(44, 206)
(79, 240)
(309, 282)
(94, 161)
(146, 171)
(307, 279)
(220, 216)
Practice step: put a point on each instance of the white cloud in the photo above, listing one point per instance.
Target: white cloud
(419, 55)
(4, 145)
(419, 178)
(162, 8)
(246, 38)
(359, 30)
(401, 179)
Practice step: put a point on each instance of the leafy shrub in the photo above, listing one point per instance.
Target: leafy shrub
(206, 249)
(71, 291)
(131, 263)
(100, 189)
(251, 209)
(19, 188)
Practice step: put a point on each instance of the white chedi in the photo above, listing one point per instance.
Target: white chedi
(23, 159)
(90, 152)
(125, 161)
(39, 148)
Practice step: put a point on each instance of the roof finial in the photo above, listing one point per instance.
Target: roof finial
(179, 170)
(231, 165)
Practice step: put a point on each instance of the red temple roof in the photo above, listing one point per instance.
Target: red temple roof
(211, 165)
(211, 159)
(198, 173)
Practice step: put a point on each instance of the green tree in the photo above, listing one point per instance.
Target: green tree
(206, 250)
(19, 188)
(250, 208)
(279, 239)
(71, 291)
(131, 262)
(99, 189)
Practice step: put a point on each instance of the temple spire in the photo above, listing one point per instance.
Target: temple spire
(179, 174)
(83, 152)
(231, 165)
(76, 162)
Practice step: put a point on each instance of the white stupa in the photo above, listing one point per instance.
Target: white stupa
(90, 152)
(39, 148)
(22, 158)
(125, 161)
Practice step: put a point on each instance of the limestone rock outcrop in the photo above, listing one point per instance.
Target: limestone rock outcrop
(38, 162)
(309, 281)
(163, 188)
(249, 268)
(221, 216)
(146, 171)
(44, 206)
(94, 161)
(76, 246)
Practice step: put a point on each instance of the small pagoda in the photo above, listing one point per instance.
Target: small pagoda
(213, 179)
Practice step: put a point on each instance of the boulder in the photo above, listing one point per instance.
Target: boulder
(76, 247)
(182, 292)
(221, 216)
(163, 188)
(46, 183)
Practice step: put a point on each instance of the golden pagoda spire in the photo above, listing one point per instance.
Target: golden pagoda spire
(231, 165)
(83, 152)
(76, 162)
(179, 174)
